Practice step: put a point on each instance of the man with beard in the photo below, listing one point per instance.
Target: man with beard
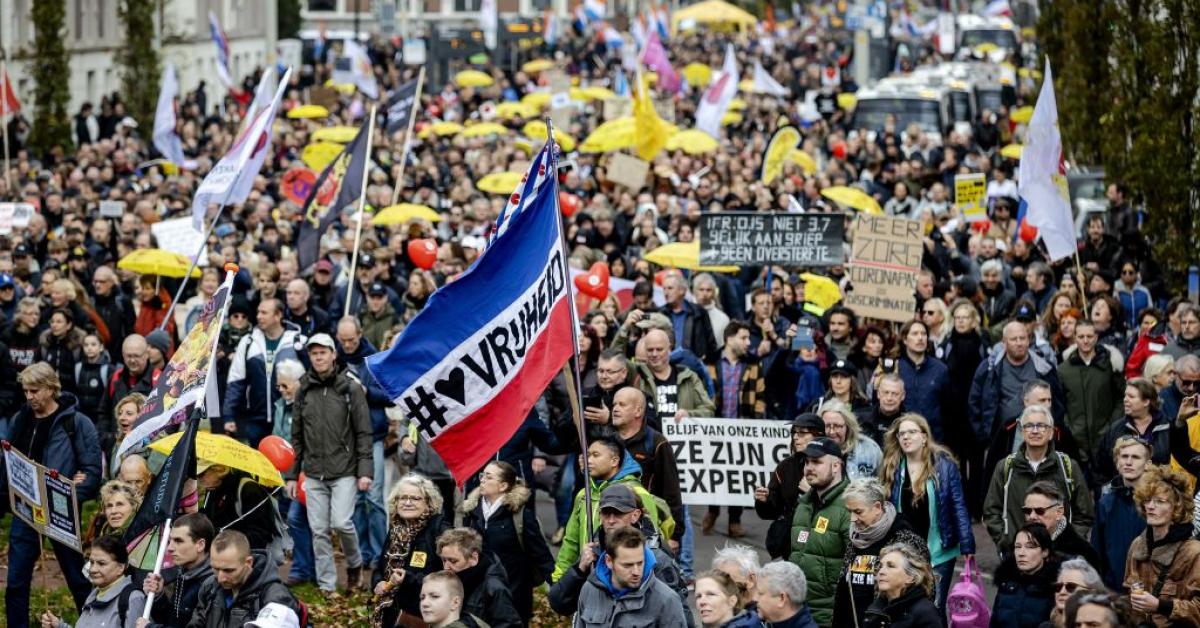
(821, 525)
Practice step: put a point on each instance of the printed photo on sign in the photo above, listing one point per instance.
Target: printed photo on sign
(722, 461)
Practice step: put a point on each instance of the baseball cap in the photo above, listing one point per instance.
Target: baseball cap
(79, 253)
(377, 289)
(224, 229)
(842, 367)
(809, 421)
(1025, 313)
(656, 320)
(275, 615)
(822, 446)
(6, 280)
(619, 497)
(21, 250)
(324, 266)
(321, 340)
(366, 260)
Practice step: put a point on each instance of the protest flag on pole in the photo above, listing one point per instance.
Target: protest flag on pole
(166, 140)
(655, 58)
(649, 128)
(336, 187)
(468, 369)
(222, 44)
(354, 67)
(1042, 182)
(401, 104)
(717, 97)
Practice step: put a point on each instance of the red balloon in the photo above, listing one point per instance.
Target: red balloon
(839, 149)
(568, 203)
(983, 226)
(278, 451)
(300, 496)
(595, 282)
(422, 252)
(1028, 232)
(662, 274)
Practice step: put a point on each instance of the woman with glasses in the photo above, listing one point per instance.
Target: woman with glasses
(934, 314)
(923, 482)
(1025, 580)
(776, 501)
(416, 523)
(1162, 572)
(1074, 575)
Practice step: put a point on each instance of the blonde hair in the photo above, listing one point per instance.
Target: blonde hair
(1156, 364)
(915, 564)
(1162, 479)
(893, 455)
(66, 286)
(433, 498)
(113, 488)
(138, 399)
(40, 375)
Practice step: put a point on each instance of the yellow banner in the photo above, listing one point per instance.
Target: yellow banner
(778, 149)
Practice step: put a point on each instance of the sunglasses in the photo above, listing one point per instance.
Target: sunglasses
(1039, 511)
(1071, 587)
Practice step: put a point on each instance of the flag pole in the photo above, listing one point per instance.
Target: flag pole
(574, 384)
(158, 563)
(412, 119)
(362, 211)
(196, 258)
(4, 122)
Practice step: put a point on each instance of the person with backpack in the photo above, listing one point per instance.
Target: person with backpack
(91, 384)
(51, 431)
(114, 601)
(660, 475)
(243, 582)
(233, 501)
(501, 512)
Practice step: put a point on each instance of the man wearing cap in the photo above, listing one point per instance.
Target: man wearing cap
(997, 392)
(308, 318)
(379, 317)
(619, 507)
(821, 525)
(324, 284)
(331, 433)
(365, 274)
(251, 393)
(778, 498)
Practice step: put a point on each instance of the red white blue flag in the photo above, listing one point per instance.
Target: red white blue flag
(471, 365)
(222, 44)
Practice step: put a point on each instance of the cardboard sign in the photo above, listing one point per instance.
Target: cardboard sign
(628, 171)
(722, 461)
(970, 190)
(325, 96)
(112, 209)
(561, 116)
(755, 238)
(6, 217)
(885, 258)
(22, 214)
(43, 499)
(617, 108)
(179, 236)
(665, 107)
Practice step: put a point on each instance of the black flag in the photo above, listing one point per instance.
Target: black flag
(338, 186)
(162, 499)
(399, 106)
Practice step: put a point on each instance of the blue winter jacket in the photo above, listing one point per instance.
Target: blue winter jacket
(65, 454)
(984, 401)
(377, 400)
(250, 392)
(954, 523)
(924, 387)
(1117, 524)
(1133, 300)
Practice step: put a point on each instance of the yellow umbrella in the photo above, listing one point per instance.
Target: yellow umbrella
(1012, 151)
(442, 129)
(598, 93)
(714, 13)
(802, 159)
(404, 212)
(342, 88)
(697, 74)
(483, 129)
(472, 78)
(820, 291)
(499, 182)
(737, 104)
(617, 134)
(157, 262)
(536, 99)
(537, 65)
(853, 198)
(846, 100)
(306, 112)
(509, 110)
(320, 154)
(693, 142)
(537, 130)
(223, 450)
(683, 255)
(1021, 114)
(731, 117)
(746, 85)
(338, 134)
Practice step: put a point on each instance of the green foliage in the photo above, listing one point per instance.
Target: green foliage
(139, 61)
(289, 19)
(51, 122)
(1128, 75)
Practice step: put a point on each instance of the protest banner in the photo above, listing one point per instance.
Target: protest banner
(722, 461)
(969, 193)
(43, 499)
(112, 209)
(6, 217)
(750, 238)
(884, 262)
(179, 235)
(628, 171)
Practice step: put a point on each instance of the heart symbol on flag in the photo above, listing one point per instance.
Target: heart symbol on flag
(595, 282)
(452, 386)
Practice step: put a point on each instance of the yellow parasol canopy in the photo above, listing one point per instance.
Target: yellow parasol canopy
(1012, 151)
(683, 255)
(538, 100)
(307, 112)
(693, 142)
(483, 129)
(1021, 114)
(499, 182)
(598, 93)
(320, 154)
(847, 100)
(338, 134)
(404, 212)
(472, 78)
(510, 110)
(537, 130)
(617, 134)
(697, 74)
(802, 159)
(223, 450)
(537, 65)
(820, 291)
(853, 198)
(442, 129)
(730, 117)
(714, 13)
(157, 262)
(737, 104)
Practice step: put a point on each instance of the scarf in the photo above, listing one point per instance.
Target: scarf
(874, 533)
(400, 540)
(1059, 528)
(489, 507)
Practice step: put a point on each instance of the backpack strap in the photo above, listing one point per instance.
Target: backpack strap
(123, 602)
(518, 519)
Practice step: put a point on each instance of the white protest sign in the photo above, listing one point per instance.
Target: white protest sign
(179, 236)
(112, 209)
(6, 217)
(22, 214)
(722, 461)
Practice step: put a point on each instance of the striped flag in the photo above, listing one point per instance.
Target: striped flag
(222, 44)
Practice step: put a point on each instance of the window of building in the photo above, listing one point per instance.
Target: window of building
(322, 5)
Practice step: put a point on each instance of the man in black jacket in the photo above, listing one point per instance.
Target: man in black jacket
(660, 474)
(485, 594)
(113, 308)
(242, 583)
(693, 329)
(177, 590)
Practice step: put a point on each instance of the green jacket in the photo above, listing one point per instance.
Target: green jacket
(1011, 481)
(331, 428)
(820, 533)
(375, 327)
(693, 395)
(577, 534)
(1095, 393)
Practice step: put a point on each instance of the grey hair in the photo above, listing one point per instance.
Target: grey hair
(916, 564)
(1091, 577)
(891, 378)
(705, 279)
(1156, 364)
(853, 430)
(784, 577)
(743, 556)
(1034, 409)
(289, 370)
(433, 497)
(1189, 362)
(991, 265)
(867, 490)
(1033, 385)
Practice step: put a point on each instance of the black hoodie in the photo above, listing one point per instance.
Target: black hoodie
(218, 608)
(486, 595)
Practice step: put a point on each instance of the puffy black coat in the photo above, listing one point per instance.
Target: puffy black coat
(913, 609)
(1023, 600)
(856, 585)
(527, 557)
(261, 588)
(487, 596)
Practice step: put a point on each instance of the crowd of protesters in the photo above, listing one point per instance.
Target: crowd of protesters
(1054, 403)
